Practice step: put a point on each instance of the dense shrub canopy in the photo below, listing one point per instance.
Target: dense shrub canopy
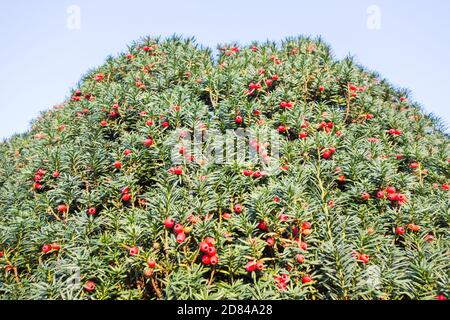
(357, 207)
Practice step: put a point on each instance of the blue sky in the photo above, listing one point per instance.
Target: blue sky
(43, 54)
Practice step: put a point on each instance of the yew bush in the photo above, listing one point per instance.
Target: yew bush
(354, 205)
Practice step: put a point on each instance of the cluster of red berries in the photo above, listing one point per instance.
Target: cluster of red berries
(209, 252)
(269, 82)
(230, 51)
(150, 48)
(255, 174)
(401, 230)
(114, 113)
(46, 248)
(392, 195)
(261, 149)
(394, 132)
(169, 223)
(327, 153)
(176, 170)
(281, 281)
(39, 177)
(286, 104)
(76, 95)
(326, 126)
(254, 265)
(354, 89)
(126, 196)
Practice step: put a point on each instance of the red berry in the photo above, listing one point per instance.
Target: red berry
(270, 242)
(364, 258)
(134, 251)
(326, 154)
(214, 260)
(126, 197)
(300, 258)
(204, 247)
(46, 248)
(55, 174)
(365, 196)
(55, 246)
(178, 228)
(148, 142)
(238, 119)
(441, 297)
(212, 251)
(306, 279)
(391, 190)
(321, 88)
(262, 226)
(380, 194)
(306, 225)
(206, 260)
(118, 164)
(92, 211)
(178, 171)
(99, 77)
(303, 135)
(62, 208)
(414, 165)
(259, 266)
(151, 263)
(400, 230)
(281, 129)
(429, 238)
(210, 241)
(125, 190)
(181, 237)
(89, 286)
(250, 266)
(238, 208)
(257, 174)
(247, 172)
(169, 222)
(401, 198)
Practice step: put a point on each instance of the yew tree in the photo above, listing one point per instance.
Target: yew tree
(103, 198)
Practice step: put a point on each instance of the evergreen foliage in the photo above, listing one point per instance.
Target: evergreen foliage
(325, 225)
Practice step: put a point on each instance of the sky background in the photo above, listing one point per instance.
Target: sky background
(44, 50)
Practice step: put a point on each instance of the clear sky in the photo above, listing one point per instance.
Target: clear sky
(47, 45)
